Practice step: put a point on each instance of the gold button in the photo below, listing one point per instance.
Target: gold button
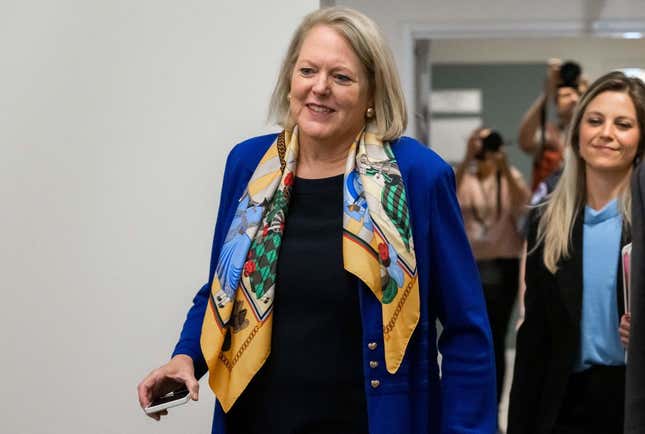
(373, 364)
(375, 384)
(371, 345)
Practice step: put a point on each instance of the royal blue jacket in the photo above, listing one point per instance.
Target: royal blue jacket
(421, 397)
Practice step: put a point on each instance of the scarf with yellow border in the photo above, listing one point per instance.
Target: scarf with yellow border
(377, 248)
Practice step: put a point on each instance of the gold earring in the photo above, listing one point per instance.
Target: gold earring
(369, 114)
(289, 97)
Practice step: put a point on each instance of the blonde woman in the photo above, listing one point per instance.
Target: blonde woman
(338, 245)
(570, 364)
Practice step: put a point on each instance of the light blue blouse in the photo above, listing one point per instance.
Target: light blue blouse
(599, 338)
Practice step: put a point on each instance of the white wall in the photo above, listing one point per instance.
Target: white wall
(115, 119)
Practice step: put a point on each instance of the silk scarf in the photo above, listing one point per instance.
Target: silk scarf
(377, 248)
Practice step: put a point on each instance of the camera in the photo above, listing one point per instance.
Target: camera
(491, 143)
(570, 74)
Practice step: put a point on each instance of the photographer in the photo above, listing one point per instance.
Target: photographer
(545, 139)
(492, 195)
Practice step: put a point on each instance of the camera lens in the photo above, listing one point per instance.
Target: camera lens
(569, 74)
(492, 142)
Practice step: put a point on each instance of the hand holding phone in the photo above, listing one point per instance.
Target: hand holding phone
(626, 255)
(175, 375)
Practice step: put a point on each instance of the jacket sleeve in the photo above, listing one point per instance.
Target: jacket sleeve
(468, 395)
(189, 339)
(531, 348)
(635, 382)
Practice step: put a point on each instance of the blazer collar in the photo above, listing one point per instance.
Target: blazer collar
(569, 274)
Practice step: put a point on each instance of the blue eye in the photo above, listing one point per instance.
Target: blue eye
(342, 79)
(306, 71)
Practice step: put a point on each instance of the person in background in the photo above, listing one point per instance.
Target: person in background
(545, 141)
(570, 357)
(542, 138)
(493, 197)
(338, 245)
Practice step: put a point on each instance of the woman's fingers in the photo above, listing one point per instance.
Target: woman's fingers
(157, 416)
(193, 387)
(184, 372)
(152, 386)
(145, 387)
(623, 330)
(178, 372)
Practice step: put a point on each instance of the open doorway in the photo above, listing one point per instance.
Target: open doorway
(462, 83)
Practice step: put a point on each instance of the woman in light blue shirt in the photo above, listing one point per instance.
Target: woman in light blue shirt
(570, 364)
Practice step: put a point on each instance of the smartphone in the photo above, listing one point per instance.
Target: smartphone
(172, 399)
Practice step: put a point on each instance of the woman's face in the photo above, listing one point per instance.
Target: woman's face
(566, 100)
(329, 89)
(609, 132)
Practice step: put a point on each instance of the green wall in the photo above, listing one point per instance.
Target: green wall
(507, 92)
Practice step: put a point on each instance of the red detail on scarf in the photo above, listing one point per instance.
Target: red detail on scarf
(288, 180)
(383, 252)
(249, 267)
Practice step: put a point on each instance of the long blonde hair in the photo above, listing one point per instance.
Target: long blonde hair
(561, 209)
(368, 43)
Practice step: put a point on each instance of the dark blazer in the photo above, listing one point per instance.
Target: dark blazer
(548, 341)
(635, 383)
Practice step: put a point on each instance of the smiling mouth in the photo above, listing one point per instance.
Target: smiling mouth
(319, 108)
(609, 148)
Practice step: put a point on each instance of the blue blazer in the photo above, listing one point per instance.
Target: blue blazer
(421, 397)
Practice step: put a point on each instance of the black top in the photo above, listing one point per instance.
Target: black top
(312, 382)
(635, 397)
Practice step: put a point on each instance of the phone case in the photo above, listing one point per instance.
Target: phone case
(166, 405)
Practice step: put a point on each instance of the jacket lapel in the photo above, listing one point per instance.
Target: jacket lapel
(569, 274)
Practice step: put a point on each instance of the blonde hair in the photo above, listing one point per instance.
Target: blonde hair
(561, 209)
(369, 45)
